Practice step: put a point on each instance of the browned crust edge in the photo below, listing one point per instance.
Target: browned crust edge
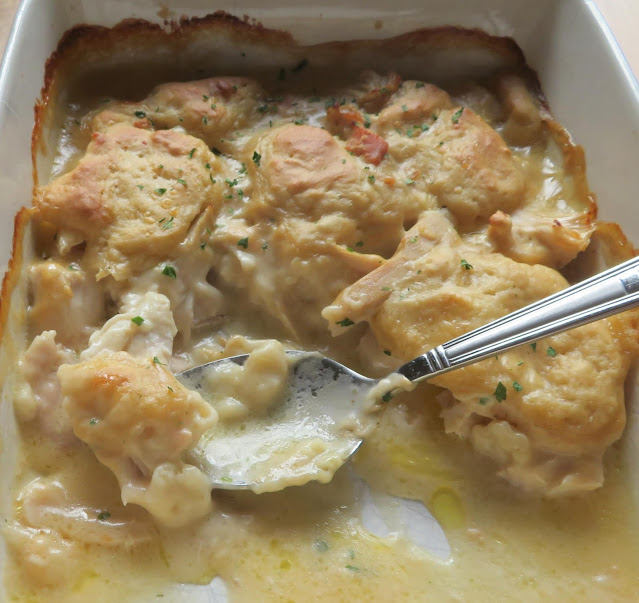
(81, 39)
(13, 272)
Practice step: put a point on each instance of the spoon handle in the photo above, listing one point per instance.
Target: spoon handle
(604, 294)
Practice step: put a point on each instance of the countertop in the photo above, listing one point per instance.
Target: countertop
(622, 17)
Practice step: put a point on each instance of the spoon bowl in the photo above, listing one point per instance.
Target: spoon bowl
(328, 409)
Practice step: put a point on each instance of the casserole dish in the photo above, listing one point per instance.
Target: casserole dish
(571, 9)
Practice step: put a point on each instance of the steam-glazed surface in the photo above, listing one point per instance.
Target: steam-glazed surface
(229, 216)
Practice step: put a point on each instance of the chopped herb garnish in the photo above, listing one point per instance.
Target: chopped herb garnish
(299, 122)
(242, 170)
(156, 360)
(387, 352)
(413, 240)
(160, 191)
(303, 63)
(466, 265)
(500, 392)
(205, 120)
(140, 114)
(207, 166)
(104, 515)
(169, 271)
(216, 151)
(72, 267)
(409, 181)
(169, 388)
(140, 186)
(409, 132)
(353, 568)
(349, 249)
(534, 347)
(93, 421)
(419, 85)
(321, 546)
(191, 153)
(552, 352)
(517, 387)
(138, 320)
(231, 182)
(387, 397)
(265, 247)
(213, 106)
(424, 127)
(182, 181)
(371, 177)
(347, 322)
(168, 224)
(386, 288)
(359, 244)
(243, 243)
(226, 480)
(211, 179)
(256, 158)
(204, 97)
(203, 245)
(483, 401)
(457, 115)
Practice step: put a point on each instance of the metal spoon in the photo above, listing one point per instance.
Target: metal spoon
(329, 408)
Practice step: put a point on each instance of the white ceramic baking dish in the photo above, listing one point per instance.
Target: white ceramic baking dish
(588, 84)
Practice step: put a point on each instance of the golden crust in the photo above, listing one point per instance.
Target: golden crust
(132, 197)
(437, 287)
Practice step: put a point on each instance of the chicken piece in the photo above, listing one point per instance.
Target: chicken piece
(252, 388)
(377, 90)
(414, 104)
(144, 328)
(39, 397)
(293, 269)
(132, 197)
(65, 299)
(45, 505)
(564, 396)
(523, 118)
(140, 422)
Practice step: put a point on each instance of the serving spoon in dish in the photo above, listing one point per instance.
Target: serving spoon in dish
(328, 409)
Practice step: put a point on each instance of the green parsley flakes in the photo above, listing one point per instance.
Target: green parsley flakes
(140, 114)
(216, 151)
(387, 397)
(466, 265)
(256, 158)
(552, 352)
(168, 224)
(169, 271)
(457, 115)
(104, 515)
(516, 386)
(243, 243)
(138, 320)
(500, 392)
(191, 153)
(347, 322)
(534, 347)
(387, 352)
(484, 401)
(156, 360)
(182, 181)
(160, 191)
